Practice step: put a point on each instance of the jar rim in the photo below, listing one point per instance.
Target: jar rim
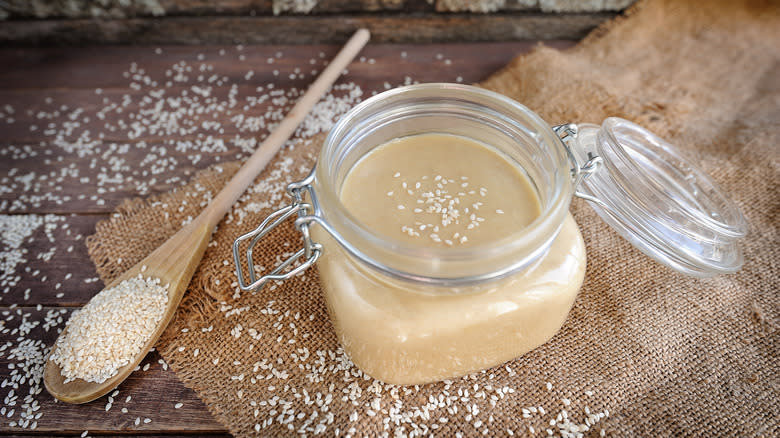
(512, 253)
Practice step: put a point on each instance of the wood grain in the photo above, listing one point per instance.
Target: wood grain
(43, 72)
(69, 266)
(23, 9)
(321, 29)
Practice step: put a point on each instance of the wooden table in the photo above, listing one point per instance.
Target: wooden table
(54, 191)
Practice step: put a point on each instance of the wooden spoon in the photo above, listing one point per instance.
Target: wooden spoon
(176, 260)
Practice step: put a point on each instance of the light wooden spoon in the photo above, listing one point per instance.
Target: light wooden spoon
(176, 260)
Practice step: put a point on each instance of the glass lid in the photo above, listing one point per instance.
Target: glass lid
(656, 199)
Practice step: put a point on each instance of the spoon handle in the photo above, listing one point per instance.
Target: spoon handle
(225, 199)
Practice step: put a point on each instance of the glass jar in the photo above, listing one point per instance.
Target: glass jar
(409, 314)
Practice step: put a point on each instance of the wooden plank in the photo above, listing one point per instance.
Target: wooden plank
(413, 28)
(44, 187)
(112, 434)
(53, 267)
(57, 69)
(210, 7)
(205, 7)
(549, 6)
(269, 7)
(44, 84)
(154, 393)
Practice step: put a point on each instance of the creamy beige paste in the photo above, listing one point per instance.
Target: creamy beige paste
(442, 191)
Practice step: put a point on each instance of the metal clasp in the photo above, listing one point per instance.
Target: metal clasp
(568, 135)
(308, 254)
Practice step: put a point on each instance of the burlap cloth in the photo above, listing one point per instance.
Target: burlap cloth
(664, 354)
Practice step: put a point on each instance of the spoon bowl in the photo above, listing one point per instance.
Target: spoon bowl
(173, 263)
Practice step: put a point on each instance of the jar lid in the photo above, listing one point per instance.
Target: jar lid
(660, 202)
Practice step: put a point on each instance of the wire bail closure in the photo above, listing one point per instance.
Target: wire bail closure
(568, 135)
(309, 253)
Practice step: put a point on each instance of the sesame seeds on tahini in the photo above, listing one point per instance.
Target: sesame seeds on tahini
(442, 202)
